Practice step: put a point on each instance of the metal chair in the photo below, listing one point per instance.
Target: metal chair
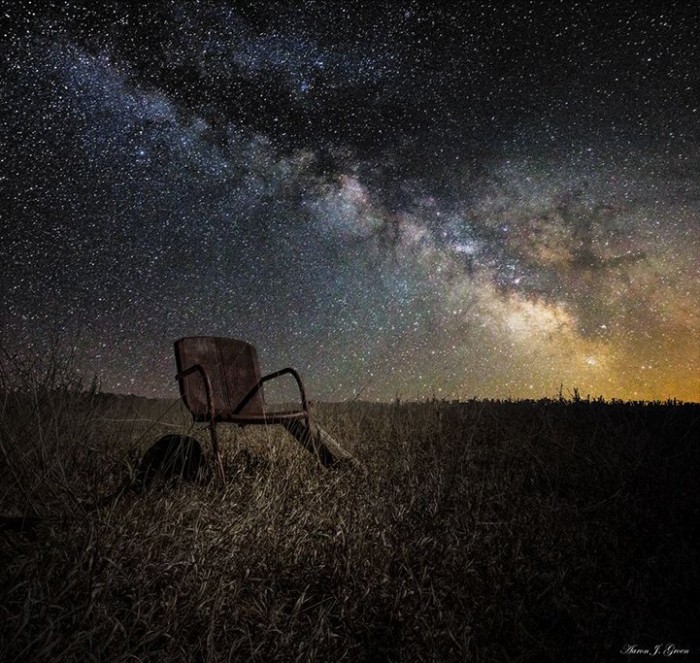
(220, 381)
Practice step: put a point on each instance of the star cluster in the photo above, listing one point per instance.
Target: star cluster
(396, 199)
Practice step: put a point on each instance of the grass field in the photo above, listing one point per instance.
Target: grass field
(483, 531)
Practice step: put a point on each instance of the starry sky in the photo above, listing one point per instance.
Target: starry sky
(398, 199)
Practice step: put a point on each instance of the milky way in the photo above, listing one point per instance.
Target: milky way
(394, 199)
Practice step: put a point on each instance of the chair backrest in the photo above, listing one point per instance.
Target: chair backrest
(232, 367)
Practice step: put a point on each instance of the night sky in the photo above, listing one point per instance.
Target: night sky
(397, 199)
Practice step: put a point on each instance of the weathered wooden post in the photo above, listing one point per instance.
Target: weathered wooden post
(320, 443)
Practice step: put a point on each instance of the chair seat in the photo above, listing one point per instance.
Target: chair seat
(256, 418)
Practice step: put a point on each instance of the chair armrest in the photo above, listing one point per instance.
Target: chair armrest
(270, 376)
(198, 368)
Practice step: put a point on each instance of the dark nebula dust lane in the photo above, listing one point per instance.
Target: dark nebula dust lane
(396, 199)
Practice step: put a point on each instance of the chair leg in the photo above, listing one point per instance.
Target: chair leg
(217, 453)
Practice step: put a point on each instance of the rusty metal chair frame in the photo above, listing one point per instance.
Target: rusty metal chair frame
(219, 408)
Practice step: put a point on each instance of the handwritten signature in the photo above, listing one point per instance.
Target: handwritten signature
(657, 650)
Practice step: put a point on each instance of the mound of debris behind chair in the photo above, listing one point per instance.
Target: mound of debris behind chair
(171, 457)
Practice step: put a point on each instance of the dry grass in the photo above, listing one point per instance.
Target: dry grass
(484, 531)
